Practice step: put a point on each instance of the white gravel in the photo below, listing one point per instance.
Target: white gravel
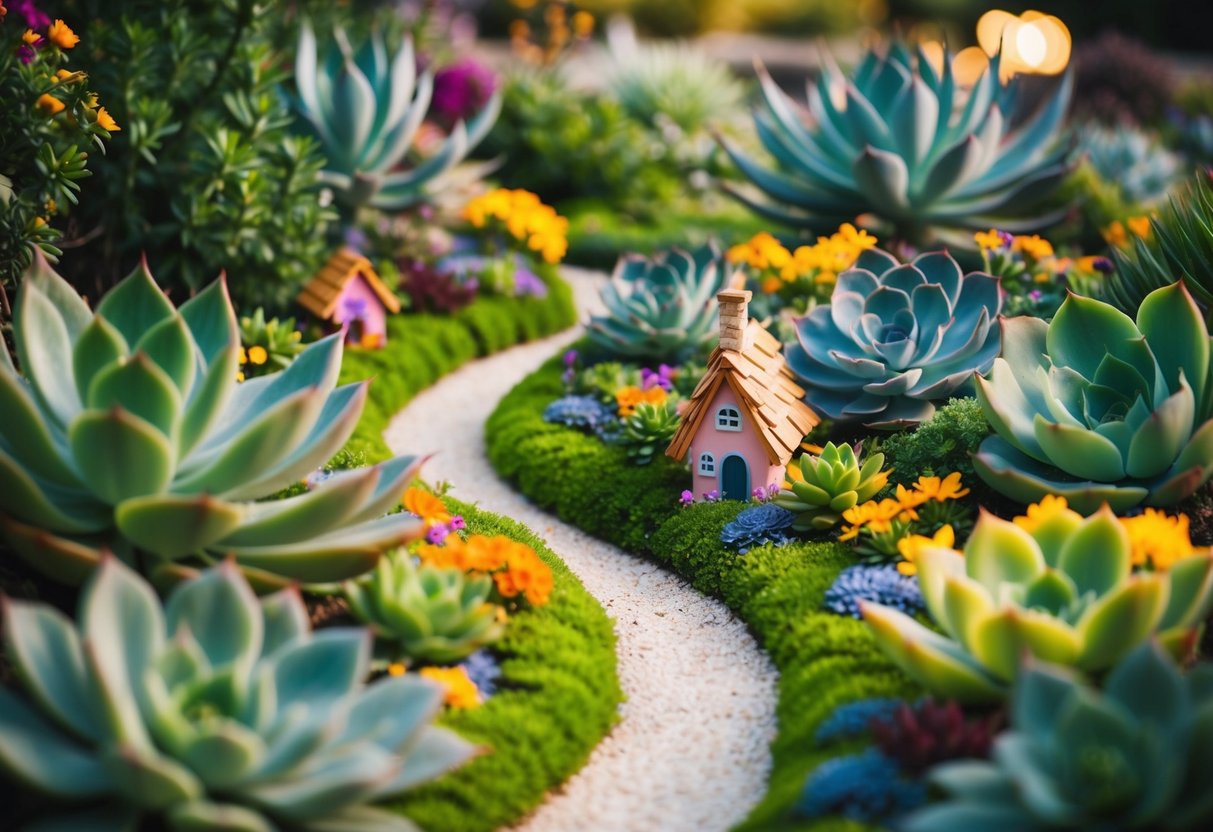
(692, 749)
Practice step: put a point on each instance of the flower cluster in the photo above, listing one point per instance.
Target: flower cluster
(628, 398)
(867, 787)
(1119, 234)
(854, 719)
(518, 572)
(438, 519)
(758, 525)
(805, 272)
(1033, 274)
(461, 692)
(584, 412)
(550, 32)
(461, 90)
(524, 219)
(881, 526)
(926, 733)
(881, 584)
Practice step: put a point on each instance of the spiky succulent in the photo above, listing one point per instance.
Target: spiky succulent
(1098, 408)
(896, 338)
(127, 430)
(216, 711)
(1137, 162)
(365, 109)
(663, 308)
(899, 139)
(424, 613)
(820, 488)
(1064, 592)
(1180, 245)
(1134, 756)
(646, 433)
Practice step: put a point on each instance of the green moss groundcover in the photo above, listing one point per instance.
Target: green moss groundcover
(824, 660)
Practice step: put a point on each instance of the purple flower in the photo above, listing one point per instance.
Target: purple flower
(1035, 294)
(661, 378)
(437, 534)
(711, 496)
(1007, 238)
(687, 498)
(1102, 265)
(527, 283)
(35, 18)
(355, 308)
(759, 494)
(570, 358)
(461, 89)
(457, 523)
(772, 491)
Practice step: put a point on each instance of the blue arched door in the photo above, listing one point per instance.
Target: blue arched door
(735, 478)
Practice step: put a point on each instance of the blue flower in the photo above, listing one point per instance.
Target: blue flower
(482, 668)
(865, 787)
(853, 719)
(579, 412)
(767, 523)
(882, 584)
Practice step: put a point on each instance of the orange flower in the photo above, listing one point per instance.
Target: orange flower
(48, 104)
(30, 37)
(62, 35)
(460, 690)
(106, 121)
(426, 506)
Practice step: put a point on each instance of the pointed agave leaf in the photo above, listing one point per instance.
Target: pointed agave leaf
(305, 516)
(884, 179)
(212, 321)
(1080, 452)
(171, 346)
(98, 347)
(149, 780)
(36, 753)
(72, 309)
(58, 558)
(135, 305)
(223, 616)
(1175, 330)
(45, 504)
(120, 455)
(285, 620)
(142, 389)
(395, 475)
(44, 347)
(208, 398)
(913, 121)
(172, 525)
(346, 777)
(999, 552)
(433, 754)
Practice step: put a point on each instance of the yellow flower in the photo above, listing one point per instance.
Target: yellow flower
(1038, 513)
(627, 398)
(1115, 234)
(240, 375)
(30, 37)
(988, 240)
(1139, 226)
(64, 75)
(106, 121)
(243, 356)
(1158, 540)
(62, 35)
(876, 516)
(583, 24)
(461, 691)
(425, 505)
(941, 490)
(257, 354)
(1035, 246)
(912, 546)
(48, 104)
(396, 669)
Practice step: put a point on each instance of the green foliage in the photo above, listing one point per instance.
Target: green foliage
(1062, 589)
(279, 339)
(822, 487)
(207, 176)
(1134, 756)
(896, 150)
(44, 155)
(129, 432)
(215, 711)
(937, 447)
(365, 108)
(1180, 245)
(824, 660)
(896, 338)
(648, 431)
(1099, 408)
(1137, 162)
(424, 613)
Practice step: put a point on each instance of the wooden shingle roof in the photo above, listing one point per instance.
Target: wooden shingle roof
(321, 293)
(765, 389)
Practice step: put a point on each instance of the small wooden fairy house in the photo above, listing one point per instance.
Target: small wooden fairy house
(746, 417)
(347, 292)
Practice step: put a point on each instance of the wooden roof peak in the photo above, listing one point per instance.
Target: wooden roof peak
(319, 296)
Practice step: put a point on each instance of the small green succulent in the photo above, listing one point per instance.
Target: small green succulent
(820, 488)
(365, 109)
(1135, 756)
(1137, 162)
(279, 339)
(214, 712)
(127, 430)
(1098, 408)
(1064, 592)
(648, 431)
(663, 308)
(900, 140)
(424, 613)
(896, 338)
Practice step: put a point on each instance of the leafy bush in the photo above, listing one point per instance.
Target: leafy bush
(937, 447)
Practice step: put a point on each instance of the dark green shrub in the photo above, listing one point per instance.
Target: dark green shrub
(939, 446)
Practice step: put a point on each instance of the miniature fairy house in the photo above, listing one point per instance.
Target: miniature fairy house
(347, 292)
(746, 417)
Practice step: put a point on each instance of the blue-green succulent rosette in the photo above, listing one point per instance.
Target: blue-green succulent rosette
(1098, 408)
(895, 339)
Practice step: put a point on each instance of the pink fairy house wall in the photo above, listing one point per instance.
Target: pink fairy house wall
(360, 309)
(346, 291)
(725, 432)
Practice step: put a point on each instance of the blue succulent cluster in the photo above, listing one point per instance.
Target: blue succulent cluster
(482, 668)
(766, 523)
(866, 787)
(854, 718)
(584, 412)
(882, 584)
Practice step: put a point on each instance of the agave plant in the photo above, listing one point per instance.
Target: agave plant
(662, 308)
(127, 430)
(1097, 408)
(1180, 245)
(896, 338)
(648, 430)
(365, 110)
(820, 488)
(216, 711)
(1138, 163)
(899, 139)
(1064, 592)
(1134, 756)
(427, 613)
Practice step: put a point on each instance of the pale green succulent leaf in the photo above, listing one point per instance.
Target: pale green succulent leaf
(1041, 691)
(44, 348)
(149, 780)
(1118, 622)
(223, 617)
(1080, 452)
(46, 505)
(1191, 592)
(1173, 326)
(966, 606)
(345, 655)
(205, 816)
(432, 754)
(1000, 641)
(1148, 685)
(58, 558)
(361, 819)
(285, 620)
(225, 755)
(135, 305)
(1164, 435)
(208, 399)
(341, 779)
(1097, 555)
(29, 438)
(73, 311)
(1000, 552)
(142, 389)
(173, 525)
(299, 518)
(393, 712)
(119, 455)
(171, 346)
(212, 321)
(36, 753)
(98, 347)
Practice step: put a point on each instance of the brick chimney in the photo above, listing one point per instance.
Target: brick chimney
(734, 318)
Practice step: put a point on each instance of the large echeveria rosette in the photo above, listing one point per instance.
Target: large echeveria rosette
(896, 338)
(1098, 408)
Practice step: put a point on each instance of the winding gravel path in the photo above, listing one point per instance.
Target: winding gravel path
(692, 750)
